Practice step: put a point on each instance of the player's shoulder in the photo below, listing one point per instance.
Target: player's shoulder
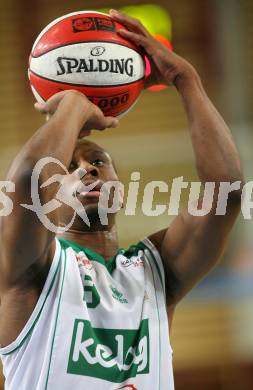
(35, 276)
(157, 238)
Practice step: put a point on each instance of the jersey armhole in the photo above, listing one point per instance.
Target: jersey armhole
(27, 329)
(156, 260)
(158, 264)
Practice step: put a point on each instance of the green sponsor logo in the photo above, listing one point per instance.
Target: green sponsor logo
(111, 354)
(116, 294)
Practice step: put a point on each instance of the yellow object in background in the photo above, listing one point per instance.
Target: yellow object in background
(157, 21)
(155, 18)
(104, 10)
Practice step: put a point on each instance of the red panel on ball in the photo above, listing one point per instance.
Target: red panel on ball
(81, 28)
(113, 101)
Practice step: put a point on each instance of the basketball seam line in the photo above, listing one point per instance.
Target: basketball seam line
(90, 96)
(95, 41)
(38, 92)
(60, 19)
(85, 85)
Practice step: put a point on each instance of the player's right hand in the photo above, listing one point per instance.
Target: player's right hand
(94, 118)
(166, 66)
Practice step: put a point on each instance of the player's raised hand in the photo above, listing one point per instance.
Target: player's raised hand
(166, 66)
(98, 121)
(94, 117)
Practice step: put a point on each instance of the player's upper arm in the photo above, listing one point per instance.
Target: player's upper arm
(191, 246)
(23, 238)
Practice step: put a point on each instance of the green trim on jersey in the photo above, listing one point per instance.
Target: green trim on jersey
(111, 264)
(57, 315)
(93, 256)
(159, 321)
(39, 313)
(142, 246)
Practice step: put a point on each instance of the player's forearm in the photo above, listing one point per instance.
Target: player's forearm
(57, 137)
(216, 155)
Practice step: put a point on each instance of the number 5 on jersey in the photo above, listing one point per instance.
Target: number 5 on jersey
(91, 295)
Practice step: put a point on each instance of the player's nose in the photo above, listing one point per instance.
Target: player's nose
(90, 169)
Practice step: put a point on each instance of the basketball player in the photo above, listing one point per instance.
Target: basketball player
(77, 312)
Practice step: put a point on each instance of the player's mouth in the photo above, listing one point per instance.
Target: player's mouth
(89, 189)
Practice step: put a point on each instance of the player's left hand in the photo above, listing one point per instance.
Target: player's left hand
(95, 119)
(166, 66)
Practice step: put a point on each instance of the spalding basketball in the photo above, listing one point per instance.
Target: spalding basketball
(83, 51)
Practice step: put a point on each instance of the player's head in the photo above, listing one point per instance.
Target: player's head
(100, 169)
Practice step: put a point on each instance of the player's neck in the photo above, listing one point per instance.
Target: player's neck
(103, 242)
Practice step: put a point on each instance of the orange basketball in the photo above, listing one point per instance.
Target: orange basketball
(83, 51)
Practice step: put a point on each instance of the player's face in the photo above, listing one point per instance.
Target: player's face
(97, 164)
(99, 169)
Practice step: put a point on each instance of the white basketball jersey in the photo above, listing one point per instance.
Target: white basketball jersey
(97, 325)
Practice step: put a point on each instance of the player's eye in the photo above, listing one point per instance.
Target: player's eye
(98, 162)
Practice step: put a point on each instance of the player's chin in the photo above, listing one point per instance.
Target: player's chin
(96, 205)
(90, 207)
(88, 199)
